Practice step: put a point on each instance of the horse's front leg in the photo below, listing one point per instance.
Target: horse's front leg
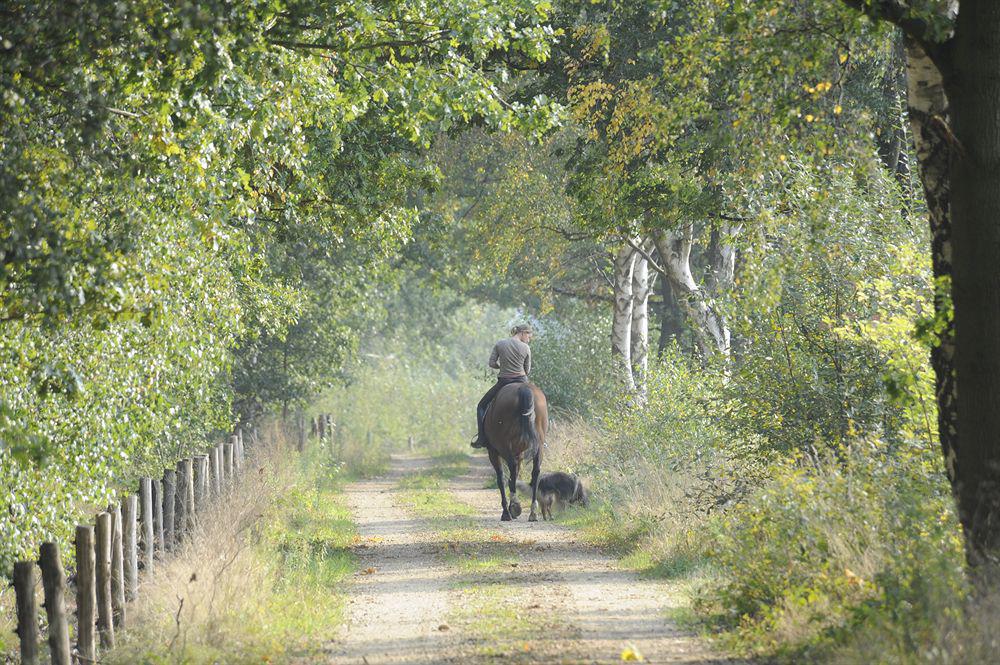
(495, 461)
(535, 469)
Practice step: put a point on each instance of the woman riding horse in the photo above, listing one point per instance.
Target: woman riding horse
(516, 424)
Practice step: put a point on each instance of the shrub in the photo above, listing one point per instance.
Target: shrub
(863, 537)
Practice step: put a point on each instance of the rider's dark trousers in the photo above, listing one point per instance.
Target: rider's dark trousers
(484, 403)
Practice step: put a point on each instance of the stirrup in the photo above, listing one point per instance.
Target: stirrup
(478, 442)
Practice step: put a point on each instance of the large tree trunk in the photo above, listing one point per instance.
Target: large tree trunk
(671, 317)
(721, 258)
(973, 88)
(929, 124)
(709, 325)
(639, 341)
(621, 323)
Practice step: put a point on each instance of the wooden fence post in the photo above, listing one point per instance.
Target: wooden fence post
(216, 463)
(148, 542)
(181, 505)
(300, 430)
(223, 471)
(27, 611)
(117, 568)
(189, 495)
(158, 528)
(409, 443)
(234, 441)
(200, 482)
(86, 594)
(228, 465)
(169, 498)
(131, 545)
(102, 552)
(54, 583)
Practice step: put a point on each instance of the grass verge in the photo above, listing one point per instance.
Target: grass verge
(259, 580)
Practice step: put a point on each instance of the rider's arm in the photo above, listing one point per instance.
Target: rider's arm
(495, 358)
(527, 362)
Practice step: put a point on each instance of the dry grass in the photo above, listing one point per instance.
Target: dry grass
(638, 504)
(254, 581)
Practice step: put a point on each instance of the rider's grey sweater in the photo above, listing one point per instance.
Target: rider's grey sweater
(512, 357)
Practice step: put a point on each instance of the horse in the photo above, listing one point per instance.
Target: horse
(515, 426)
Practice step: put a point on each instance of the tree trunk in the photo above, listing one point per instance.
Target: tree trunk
(974, 92)
(708, 324)
(929, 123)
(639, 333)
(671, 317)
(721, 258)
(621, 323)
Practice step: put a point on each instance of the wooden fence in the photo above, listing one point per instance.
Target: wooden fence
(127, 537)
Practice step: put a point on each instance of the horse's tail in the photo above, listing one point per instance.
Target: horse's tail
(526, 409)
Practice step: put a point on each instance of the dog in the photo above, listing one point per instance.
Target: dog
(556, 488)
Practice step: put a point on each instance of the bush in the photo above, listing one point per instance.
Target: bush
(864, 537)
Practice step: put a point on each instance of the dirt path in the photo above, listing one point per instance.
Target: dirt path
(400, 598)
(556, 599)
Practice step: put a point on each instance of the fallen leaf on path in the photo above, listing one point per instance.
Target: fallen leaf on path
(630, 654)
(534, 607)
(368, 571)
(443, 627)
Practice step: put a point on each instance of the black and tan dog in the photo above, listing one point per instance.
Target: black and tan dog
(557, 488)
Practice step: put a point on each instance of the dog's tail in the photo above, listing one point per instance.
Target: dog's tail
(526, 409)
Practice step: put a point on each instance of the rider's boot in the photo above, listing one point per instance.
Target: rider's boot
(480, 440)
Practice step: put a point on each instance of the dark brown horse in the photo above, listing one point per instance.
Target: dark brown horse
(516, 424)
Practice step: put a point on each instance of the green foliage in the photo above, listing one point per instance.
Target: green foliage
(825, 320)
(569, 362)
(866, 537)
(198, 200)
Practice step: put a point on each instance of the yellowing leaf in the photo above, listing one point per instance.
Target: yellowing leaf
(632, 654)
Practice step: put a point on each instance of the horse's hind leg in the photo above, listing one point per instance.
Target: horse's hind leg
(495, 461)
(536, 466)
(514, 464)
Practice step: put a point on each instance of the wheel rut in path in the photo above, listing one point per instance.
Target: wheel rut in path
(578, 606)
(606, 608)
(399, 599)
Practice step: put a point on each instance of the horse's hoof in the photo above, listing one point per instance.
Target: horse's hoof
(505, 517)
(532, 518)
(515, 510)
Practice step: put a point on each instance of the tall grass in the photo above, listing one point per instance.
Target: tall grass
(258, 579)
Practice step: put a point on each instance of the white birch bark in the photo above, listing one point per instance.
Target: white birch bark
(621, 323)
(709, 325)
(640, 320)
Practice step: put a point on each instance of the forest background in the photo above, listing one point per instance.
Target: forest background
(711, 211)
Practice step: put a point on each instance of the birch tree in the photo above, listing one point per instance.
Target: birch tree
(642, 287)
(707, 321)
(954, 97)
(625, 261)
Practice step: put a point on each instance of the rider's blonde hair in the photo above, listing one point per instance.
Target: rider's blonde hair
(520, 328)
